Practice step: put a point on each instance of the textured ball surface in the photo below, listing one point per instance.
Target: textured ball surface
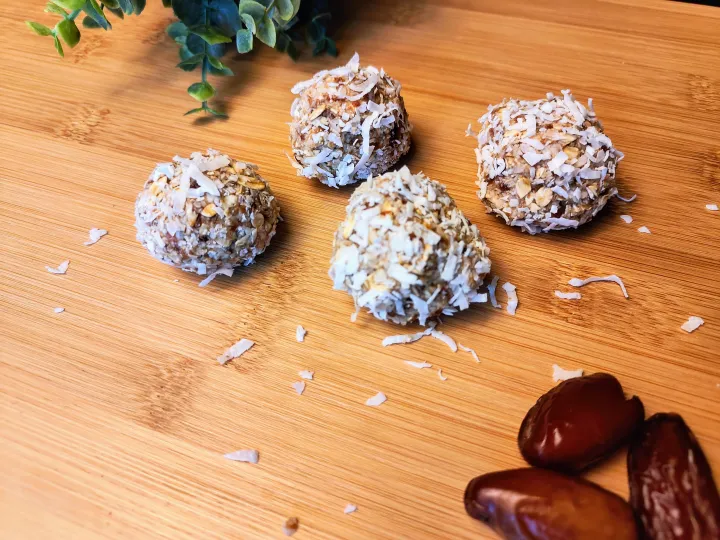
(347, 124)
(405, 252)
(206, 213)
(545, 165)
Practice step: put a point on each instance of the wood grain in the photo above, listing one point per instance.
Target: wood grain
(114, 414)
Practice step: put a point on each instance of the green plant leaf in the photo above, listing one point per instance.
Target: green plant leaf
(194, 111)
(72, 5)
(315, 32)
(191, 62)
(90, 23)
(202, 91)
(249, 22)
(93, 10)
(51, 7)
(330, 47)
(167, 3)
(210, 34)
(224, 16)
(117, 12)
(218, 68)
(177, 30)
(266, 31)
(285, 9)
(111, 4)
(69, 32)
(244, 41)
(254, 9)
(126, 6)
(39, 29)
(138, 6)
(59, 47)
(191, 12)
(216, 113)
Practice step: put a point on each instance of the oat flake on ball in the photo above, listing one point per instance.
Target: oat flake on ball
(545, 165)
(405, 252)
(206, 213)
(348, 123)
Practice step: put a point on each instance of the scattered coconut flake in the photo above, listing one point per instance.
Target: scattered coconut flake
(306, 374)
(509, 288)
(626, 218)
(568, 295)
(623, 199)
(221, 271)
(299, 387)
(711, 207)
(350, 508)
(237, 350)
(300, 333)
(419, 365)
(59, 309)
(692, 324)
(491, 292)
(644, 229)
(469, 131)
(450, 342)
(576, 282)
(441, 376)
(291, 526)
(560, 374)
(95, 235)
(61, 269)
(469, 350)
(377, 400)
(246, 456)
(405, 338)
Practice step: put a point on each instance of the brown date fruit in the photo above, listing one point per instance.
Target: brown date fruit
(671, 485)
(578, 423)
(538, 504)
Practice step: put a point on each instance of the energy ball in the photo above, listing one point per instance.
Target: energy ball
(348, 123)
(545, 165)
(405, 252)
(206, 214)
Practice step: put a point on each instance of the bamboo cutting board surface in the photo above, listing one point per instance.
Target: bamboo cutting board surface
(114, 415)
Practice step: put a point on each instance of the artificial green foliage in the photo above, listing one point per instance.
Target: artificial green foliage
(205, 31)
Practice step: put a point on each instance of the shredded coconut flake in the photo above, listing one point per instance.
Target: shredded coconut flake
(419, 365)
(560, 374)
(306, 374)
(692, 324)
(299, 387)
(247, 456)
(61, 269)
(95, 235)
(405, 338)
(221, 271)
(300, 333)
(510, 289)
(644, 229)
(59, 309)
(625, 199)
(711, 207)
(377, 400)
(441, 376)
(626, 218)
(568, 295)
(450, 342)
(491, 292)
(350, 508)
(469, 350)
(576, 282)
(237, 350)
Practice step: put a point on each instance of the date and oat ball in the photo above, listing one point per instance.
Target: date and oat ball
(545, 165)
(347, 124)
(405, 252)
(206, 214)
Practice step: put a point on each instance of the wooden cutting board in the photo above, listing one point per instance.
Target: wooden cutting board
(114, 415)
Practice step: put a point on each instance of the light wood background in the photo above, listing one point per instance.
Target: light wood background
(114, 415)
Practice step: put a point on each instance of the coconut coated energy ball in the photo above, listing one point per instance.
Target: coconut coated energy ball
(206, 213)
(546, 164)
(405, 252)
(347, 124)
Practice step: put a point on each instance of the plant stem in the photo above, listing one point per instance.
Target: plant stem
(74, 15)
(205, 64)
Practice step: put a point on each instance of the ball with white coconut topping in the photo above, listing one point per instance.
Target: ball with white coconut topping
(546, 164)
(405, 252)
(206, 214)
(347, 124)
